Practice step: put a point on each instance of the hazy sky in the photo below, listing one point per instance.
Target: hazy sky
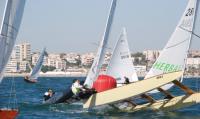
(77, 25)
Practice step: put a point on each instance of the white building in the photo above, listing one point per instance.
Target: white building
(14, 60)
(25, 52)
(194, 53)
(56, 61)
(21, 54)
(193, 62)
(11, 66)
(151, 55)
(72, 57)
(141, 70)
(87, 59)
(35, 57)
(23, 66)
(60, 64)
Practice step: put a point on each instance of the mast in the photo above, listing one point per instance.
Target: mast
(192, 32)
(98, 61)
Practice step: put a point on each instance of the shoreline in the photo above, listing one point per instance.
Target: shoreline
(72, 74)
(47, 75)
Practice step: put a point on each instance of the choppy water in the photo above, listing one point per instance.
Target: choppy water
(29, 98)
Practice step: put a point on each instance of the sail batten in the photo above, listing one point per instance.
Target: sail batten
(99, 58)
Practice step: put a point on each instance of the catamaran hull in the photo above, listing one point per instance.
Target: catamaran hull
(8, 113)
(167, 104)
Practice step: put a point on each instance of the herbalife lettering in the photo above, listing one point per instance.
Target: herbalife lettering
(166, 67)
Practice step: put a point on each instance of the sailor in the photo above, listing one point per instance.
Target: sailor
(126, 80)
(48, 94)
(77, 87)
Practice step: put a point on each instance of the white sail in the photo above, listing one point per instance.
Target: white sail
(174, 54)
(10, 26)
(37, 68)
(121, 64)
(98, 61)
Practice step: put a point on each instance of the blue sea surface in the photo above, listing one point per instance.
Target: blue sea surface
(29, 98)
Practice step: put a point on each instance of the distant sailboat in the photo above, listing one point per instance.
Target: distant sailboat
(99, 58)
(173, 56)
(9, 30)
(121, 65)
(37, 68)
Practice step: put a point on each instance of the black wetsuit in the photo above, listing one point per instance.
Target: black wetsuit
(46, 97)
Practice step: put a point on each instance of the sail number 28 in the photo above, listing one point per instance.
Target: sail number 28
(190, 12)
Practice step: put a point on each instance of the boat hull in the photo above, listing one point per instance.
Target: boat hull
(8, 113)
(167, 104)
(30, 80)
(67, 96)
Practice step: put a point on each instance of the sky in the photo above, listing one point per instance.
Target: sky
(78, 25)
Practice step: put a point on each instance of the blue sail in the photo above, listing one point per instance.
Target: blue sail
(10, 26)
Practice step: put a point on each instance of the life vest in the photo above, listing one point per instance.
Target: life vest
(76, 88)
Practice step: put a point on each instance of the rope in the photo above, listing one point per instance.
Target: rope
(12, 94)
(197, 84)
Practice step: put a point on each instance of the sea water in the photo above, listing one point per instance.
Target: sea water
(30, 97)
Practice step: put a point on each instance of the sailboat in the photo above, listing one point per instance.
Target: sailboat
(67, 95)
(166, 72)
(99, 58)
(10, 26)
(121, 65)
(173, 56)
(37, 68)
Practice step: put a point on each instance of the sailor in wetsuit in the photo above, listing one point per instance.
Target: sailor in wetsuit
(48, 94)
(127, 81)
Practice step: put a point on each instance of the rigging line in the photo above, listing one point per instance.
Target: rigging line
(11, 26)
(96, 44)
(189, 31)
(183, 40)
(9, 102)
(11, 36)
(176, 44)
(14, 93)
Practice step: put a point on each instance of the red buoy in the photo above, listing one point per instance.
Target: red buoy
(104, 82)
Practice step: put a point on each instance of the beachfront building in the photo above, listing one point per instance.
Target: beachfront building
(193, 62)
(25, 51)
(19, 58)
(52, 57)
(141, 70)
(72, 57)
(11, 66)
(194, 53)
(87, 59)
(151, 55)
(35, 57)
